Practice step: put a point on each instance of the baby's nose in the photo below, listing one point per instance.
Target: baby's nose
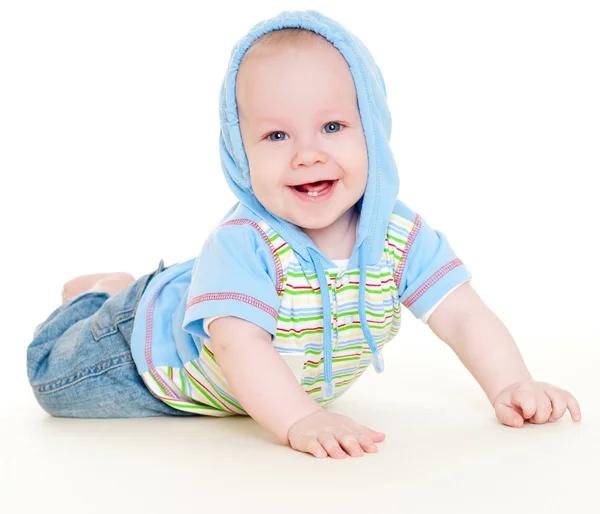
(308, 155)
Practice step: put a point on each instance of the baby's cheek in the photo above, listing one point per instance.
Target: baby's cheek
(359, 175)
(358, 159)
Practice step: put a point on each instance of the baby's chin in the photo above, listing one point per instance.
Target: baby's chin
(319, 220)
(306, 224)
(313, 226)
(316, 223)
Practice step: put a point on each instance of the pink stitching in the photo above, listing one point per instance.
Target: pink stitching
(279, 268)
(411, 238)
(430, 281)
(232, 296)
(148, 344)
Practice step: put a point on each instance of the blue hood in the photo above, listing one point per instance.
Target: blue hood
(381, 192)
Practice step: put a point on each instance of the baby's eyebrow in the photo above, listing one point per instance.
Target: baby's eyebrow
(333, 113)
(324, 115)
(269, 121)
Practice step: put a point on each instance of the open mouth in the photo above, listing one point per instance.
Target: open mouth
(315, 189)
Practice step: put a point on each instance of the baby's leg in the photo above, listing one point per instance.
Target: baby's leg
(111, 283)
(79, 363)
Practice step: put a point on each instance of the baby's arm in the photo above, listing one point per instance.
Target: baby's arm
(480, 339)
(486, 348)
(260, 380)
(267, 389)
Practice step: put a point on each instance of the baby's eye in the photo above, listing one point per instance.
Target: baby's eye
(277, 136)
(333, 126)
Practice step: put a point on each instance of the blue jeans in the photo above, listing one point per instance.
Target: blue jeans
(80, 364)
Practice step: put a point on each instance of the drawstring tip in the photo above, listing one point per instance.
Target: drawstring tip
(378, 362)
(328, 391)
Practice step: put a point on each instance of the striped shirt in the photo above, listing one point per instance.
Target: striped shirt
(179, 366)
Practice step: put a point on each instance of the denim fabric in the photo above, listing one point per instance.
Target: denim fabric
(79, 362)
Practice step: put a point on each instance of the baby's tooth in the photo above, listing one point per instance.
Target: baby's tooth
(313, 193)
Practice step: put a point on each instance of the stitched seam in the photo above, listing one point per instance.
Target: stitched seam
(411, 239)
(278, 266)
(232, 296)
(373, 227)
(148, 344)
(111, 329)
(42, 388)
(129, 314)
(432, 280)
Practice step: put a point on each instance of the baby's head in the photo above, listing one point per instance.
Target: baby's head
(300, 124)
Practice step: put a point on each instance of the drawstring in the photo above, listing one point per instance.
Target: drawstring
(327, 346)
(377, 356)
(327, 350)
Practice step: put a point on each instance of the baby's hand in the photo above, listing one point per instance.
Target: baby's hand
(536, 402)
(325, 433)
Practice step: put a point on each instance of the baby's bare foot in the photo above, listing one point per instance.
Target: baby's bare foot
(109, 282)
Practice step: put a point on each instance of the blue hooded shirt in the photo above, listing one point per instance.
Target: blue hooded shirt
(236, 275)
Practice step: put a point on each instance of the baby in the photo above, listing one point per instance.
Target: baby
(300, 286)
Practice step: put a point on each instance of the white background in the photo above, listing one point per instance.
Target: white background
(109, 161)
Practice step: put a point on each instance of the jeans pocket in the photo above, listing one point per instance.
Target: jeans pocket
(120, 308)
(105, 321)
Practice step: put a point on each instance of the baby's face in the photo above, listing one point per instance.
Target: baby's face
(300, 124)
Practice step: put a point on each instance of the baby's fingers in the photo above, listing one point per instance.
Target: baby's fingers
(543, 409)
(574, 408)
(350, 444)
(313, 446)
(330, 443)
(559, 406)
(508, 416)
(561, 400)
(376, 437)
(525, 400)
(367, 443)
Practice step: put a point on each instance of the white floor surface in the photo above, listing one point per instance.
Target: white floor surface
(444, 451)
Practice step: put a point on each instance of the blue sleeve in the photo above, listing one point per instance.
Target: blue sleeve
(234, 275)
(429, 269)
